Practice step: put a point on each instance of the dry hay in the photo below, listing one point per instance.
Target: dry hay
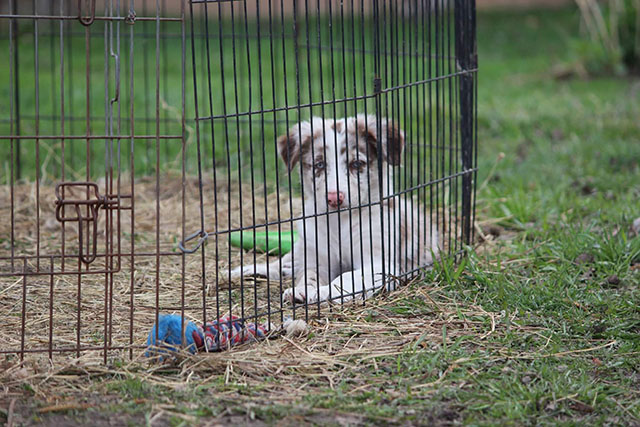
(356, 341)
(106, 314)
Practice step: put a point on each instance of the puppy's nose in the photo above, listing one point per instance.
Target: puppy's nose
(335, 198)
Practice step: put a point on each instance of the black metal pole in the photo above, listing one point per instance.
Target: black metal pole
(466, 59)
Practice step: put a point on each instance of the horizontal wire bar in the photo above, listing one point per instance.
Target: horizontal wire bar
(429, 80)
(90, 137)
(97, 18)
(71, 349)
(288, 108)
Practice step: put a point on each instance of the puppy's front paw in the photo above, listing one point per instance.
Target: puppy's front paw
(300, 295)
(259, 270)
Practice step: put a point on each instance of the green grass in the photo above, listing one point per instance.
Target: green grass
(567, 346)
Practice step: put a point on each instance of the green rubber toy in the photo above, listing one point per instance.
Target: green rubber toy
(271, 242)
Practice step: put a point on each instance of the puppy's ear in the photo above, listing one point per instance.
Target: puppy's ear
(394, 141)
(392, 137)
(291, 145)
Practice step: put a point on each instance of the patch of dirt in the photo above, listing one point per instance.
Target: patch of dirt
(584, 258)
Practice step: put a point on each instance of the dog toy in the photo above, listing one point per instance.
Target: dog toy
(272, 242)
(216, 335)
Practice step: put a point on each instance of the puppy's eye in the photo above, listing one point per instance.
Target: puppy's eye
(319, 165)
(357, 165)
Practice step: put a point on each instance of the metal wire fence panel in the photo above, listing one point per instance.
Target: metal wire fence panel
(261, 160)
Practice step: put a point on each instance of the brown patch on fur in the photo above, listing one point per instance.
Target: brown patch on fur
(337, 126)
(291, 149)
(394, 140)
(370, 149)
(395, 143)
(362, 127)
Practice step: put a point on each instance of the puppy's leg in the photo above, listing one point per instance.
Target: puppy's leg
(273, 271)
(354, 284)
(306, 289)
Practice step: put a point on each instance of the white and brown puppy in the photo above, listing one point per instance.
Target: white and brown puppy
(340, 252)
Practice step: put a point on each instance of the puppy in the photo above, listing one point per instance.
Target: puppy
(352, 231)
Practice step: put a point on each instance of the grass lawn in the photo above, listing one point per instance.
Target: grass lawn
(542, 325)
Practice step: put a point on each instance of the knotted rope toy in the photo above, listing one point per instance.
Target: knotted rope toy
(215, 335)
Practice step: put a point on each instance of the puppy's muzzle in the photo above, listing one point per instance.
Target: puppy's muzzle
(335, 199)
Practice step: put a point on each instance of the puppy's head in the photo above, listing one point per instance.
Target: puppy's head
(339, 159)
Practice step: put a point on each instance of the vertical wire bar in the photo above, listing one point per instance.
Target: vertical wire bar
(438, 165)
(315, 208)
(296, 34)
(227, 146)
(315, 205)
(363, 58)
(443, 122)
(132, 173)
(24, 308)
(87, 166)
(264, 155)
(213, 152)
(165, 91)
(87, 47)
(335, 139)
(37, 128)
(118, 231)
(147, 90)
(403, 261)
(14, 27)
(466, 47)
(455, 128)
(396, 25)
(52, 73)
(430, 104)
(70, 67)
(297, 91)
(474, 51)
(415, 137)
(89, 148)
(183, 145)
(252, 166)
(386, 66)
(357, 143)
(378, 110)
(427, 236)
(199, 168)
(275, 121)
(51, 278)
(62, 133)
(13, 102)
(79, 306)
(239, 158)
(450, 128)
(350, 197)
(107, 125)
(157, 146)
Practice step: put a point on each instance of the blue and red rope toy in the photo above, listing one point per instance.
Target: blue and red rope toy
(216, 335)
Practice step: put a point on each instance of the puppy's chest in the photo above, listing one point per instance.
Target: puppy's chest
(353, 239)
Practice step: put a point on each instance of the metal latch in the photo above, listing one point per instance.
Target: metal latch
(92, 202)
(87, 20)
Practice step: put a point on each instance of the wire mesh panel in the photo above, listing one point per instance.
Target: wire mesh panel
(92, 117)
(249, 159)
(345, 126)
